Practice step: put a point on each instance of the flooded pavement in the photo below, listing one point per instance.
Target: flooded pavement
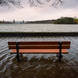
(38, 65)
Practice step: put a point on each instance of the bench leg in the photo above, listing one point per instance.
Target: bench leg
(17, 57)
(59, 57)
(60, 51)
(21, 55)
(17, 48)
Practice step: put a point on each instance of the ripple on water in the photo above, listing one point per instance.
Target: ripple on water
(41, 65)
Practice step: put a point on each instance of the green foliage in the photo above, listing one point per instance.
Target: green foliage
(76, 20)
(65, 20)
(62, 20)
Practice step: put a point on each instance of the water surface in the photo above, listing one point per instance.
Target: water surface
(38, 27)
(38, 65)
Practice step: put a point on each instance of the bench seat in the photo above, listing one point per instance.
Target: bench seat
(46, 51)
(51, 47)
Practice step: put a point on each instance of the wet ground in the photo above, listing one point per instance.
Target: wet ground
(38, 65)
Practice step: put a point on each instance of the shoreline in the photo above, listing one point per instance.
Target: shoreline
(37, 34)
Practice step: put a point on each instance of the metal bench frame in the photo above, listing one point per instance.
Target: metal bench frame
(59, 54)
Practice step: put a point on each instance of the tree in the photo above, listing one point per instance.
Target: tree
(8, 2)
(43, 2)
(31, 2)
(65, 20)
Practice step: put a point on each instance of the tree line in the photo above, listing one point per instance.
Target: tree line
(66, 20)
(62, 20)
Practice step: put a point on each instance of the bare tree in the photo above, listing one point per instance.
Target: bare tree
(31, 2)
(43, 2)
(8, 2)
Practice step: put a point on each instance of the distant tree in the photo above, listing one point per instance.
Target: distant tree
(65, 20)
(23, 21)
(13, 20)
(76, 20)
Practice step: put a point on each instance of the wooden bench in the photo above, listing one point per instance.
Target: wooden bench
(55, 47)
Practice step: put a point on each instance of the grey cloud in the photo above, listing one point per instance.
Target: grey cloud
(70, 8)
(70, 3)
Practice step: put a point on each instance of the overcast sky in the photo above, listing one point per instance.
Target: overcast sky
(68, 8)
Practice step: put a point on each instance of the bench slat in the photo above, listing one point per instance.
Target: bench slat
(29, 51)
(39, 47)
(40, 43)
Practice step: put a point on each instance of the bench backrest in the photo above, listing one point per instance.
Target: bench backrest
(39, 45)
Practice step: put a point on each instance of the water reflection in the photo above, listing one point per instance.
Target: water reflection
(41, 65)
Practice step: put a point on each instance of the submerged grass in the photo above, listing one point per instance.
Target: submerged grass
(41, 68)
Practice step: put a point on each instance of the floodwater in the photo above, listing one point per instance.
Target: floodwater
(38, 28)
(38, 65)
